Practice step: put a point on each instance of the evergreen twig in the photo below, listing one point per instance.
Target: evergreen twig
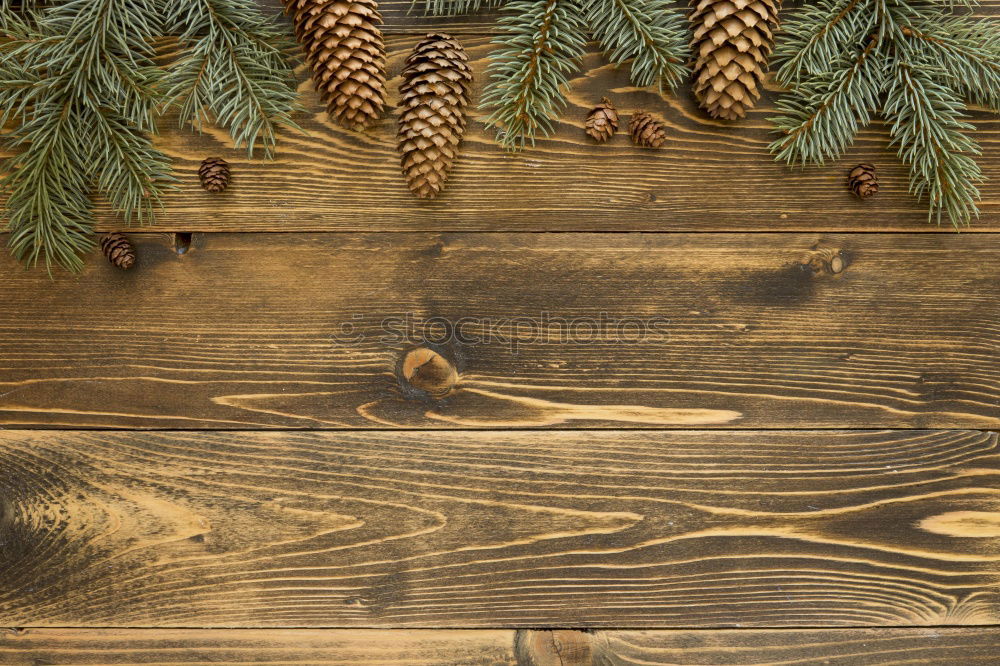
(231, 68)
(912, 60)
(542, 41)
(82, 92)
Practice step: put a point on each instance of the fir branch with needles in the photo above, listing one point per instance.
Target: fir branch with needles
(917, 64)
(231, 69)
(81, 92)
(541, 43)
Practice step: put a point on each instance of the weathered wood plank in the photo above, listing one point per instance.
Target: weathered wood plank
(332, 179)
(747, 647)
(34, 647)
(736, 331)
(832, 647)
(492, 529)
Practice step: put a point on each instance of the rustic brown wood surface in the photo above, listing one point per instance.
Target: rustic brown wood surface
(37, 647)
(485, 529)
(741, 331)
(333, 179)
(748, 647)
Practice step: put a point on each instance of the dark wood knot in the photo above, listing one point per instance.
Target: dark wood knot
(826, 260)
(429, 371)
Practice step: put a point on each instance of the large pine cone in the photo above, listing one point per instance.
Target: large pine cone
(118, 249)
(345, 49)
(863, 181)
(433, 97)
(732, 42)
(646, 131)
(602, 121)
(214, 174)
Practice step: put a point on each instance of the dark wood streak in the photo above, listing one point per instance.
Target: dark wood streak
(473, 529)
(712, 176)
(744, 331)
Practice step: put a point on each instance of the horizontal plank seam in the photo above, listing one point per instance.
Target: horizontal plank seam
(677, 628)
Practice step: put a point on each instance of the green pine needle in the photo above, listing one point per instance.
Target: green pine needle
(647, 32)
(231, 68)
(540, 43)
(911, 60)
(81, 89)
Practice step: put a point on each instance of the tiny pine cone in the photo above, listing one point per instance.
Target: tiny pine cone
(214, 174)
(646, 131)
(602, 121)
(863, 181)
(118, 250)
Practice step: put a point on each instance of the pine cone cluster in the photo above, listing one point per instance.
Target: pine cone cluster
(118, 250)
(646, 131)
(863, 181)
(732, 42)
(433, 96)
(602, 121)
(214, 174)
(345, 49)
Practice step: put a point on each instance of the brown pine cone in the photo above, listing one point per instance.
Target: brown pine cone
(433, 97)
(732, 42)
(214, 174)
(345, 49)
(646, 131)
(863, 181)
(118, 249)
(602, 121)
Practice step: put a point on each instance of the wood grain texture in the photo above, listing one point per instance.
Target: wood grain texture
(37, 647)
(844, 647)
(740, 331)
(489, 529)
(936, 646)
(334, 180)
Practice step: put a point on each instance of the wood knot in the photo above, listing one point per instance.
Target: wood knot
(429, 371)
(826, 260)
(557, 647)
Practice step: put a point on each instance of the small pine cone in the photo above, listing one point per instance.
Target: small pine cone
(118, 249)
(602, 122)
(863, 181)
(214, 174)
(433, 97)
(732, 42)
(646, 131)
(346, 52)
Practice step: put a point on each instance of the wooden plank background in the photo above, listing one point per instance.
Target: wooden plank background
(242, 331)
(486, 529)
(739, 546)
(334, 180)
(747, 647)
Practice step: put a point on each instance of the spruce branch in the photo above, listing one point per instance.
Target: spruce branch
(82, 92)
(457, 7)
(928, 128)
(647, 32)
(916, 63)
(540, 43)
(231, 68)
(83, 89)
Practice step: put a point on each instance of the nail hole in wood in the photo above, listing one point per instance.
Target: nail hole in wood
(182, 242)
(427, 370)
